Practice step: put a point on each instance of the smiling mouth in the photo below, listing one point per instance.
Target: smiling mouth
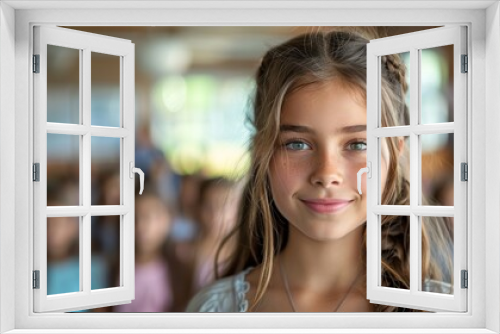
(326, 206)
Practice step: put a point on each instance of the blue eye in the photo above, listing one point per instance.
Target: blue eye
(297, 146)
(357, 146)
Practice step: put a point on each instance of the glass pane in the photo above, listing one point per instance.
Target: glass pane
(395, 254)
(394, 147)
(396, 72)
(436, 84)
(63, 85)
(105, 248)
(437, 254)
(105, 90)
(63, 169)
(105, 172)
(63, 257)
(437, 169)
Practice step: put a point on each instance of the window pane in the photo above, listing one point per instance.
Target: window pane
(63, 85)
(436, 84)
(401, 147)
(395, 251)
(105, 174)
(63, 169)
(105, 259)
(396, 71)
(437, 254)
(105, 90)
(63, 257)
(437, 169)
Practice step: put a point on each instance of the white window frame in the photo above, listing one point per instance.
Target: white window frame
(17, 19)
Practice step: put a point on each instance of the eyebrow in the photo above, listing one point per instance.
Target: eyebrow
(305, 129)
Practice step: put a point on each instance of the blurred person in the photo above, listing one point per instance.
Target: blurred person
(151, 160)
(154, 265)
(217, 215)
(185, 228)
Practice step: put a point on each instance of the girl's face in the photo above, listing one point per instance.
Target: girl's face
(321, 148)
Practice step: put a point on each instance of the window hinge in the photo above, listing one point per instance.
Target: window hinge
(36, 63)
(465, 64)
(465, 279)
(464, 172)
(36, 172)
(36, 279)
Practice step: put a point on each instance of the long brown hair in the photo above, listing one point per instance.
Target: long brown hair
(262, 231)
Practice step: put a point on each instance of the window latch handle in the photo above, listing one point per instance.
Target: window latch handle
(138, 171)
(367, 170)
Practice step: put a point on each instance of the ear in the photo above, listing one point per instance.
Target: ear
(401, 146)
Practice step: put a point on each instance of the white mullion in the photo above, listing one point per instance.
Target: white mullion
(414, 167)
(394, 131)
(67, 129)
(109, 210)
(104, 131)
(438, 128)
(80, 130)
(85, 274)
(421, 129)
(66, 211)
(419, 210)
(80, 211)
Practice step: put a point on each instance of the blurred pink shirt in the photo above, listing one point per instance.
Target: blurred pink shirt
(153, 290)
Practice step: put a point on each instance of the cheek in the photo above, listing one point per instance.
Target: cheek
(282, 174)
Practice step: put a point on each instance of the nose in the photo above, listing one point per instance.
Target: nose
(327, 170)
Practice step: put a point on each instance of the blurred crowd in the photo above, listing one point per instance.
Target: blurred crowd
(180, 221)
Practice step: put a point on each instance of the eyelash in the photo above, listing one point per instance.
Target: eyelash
(358, 141)
(302, 141)
(295, 141)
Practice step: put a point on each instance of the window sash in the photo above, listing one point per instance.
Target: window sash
(85, 43)
(413, 43)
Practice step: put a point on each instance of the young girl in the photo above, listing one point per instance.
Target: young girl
(302, 223)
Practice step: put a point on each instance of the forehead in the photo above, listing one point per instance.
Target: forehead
(328, 104)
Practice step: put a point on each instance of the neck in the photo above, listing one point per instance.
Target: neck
(335, 266)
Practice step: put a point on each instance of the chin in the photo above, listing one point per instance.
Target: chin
(330, 233)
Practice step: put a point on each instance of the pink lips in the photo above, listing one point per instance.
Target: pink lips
(326, 205)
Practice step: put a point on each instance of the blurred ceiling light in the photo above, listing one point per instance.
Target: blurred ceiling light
(171, 93)
(167, 57)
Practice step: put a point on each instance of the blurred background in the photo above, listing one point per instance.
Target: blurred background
(193, 90)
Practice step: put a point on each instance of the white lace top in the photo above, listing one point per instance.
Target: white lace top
(225, 295)
(229, 294)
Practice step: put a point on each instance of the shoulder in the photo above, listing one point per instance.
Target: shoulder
(225, 295)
